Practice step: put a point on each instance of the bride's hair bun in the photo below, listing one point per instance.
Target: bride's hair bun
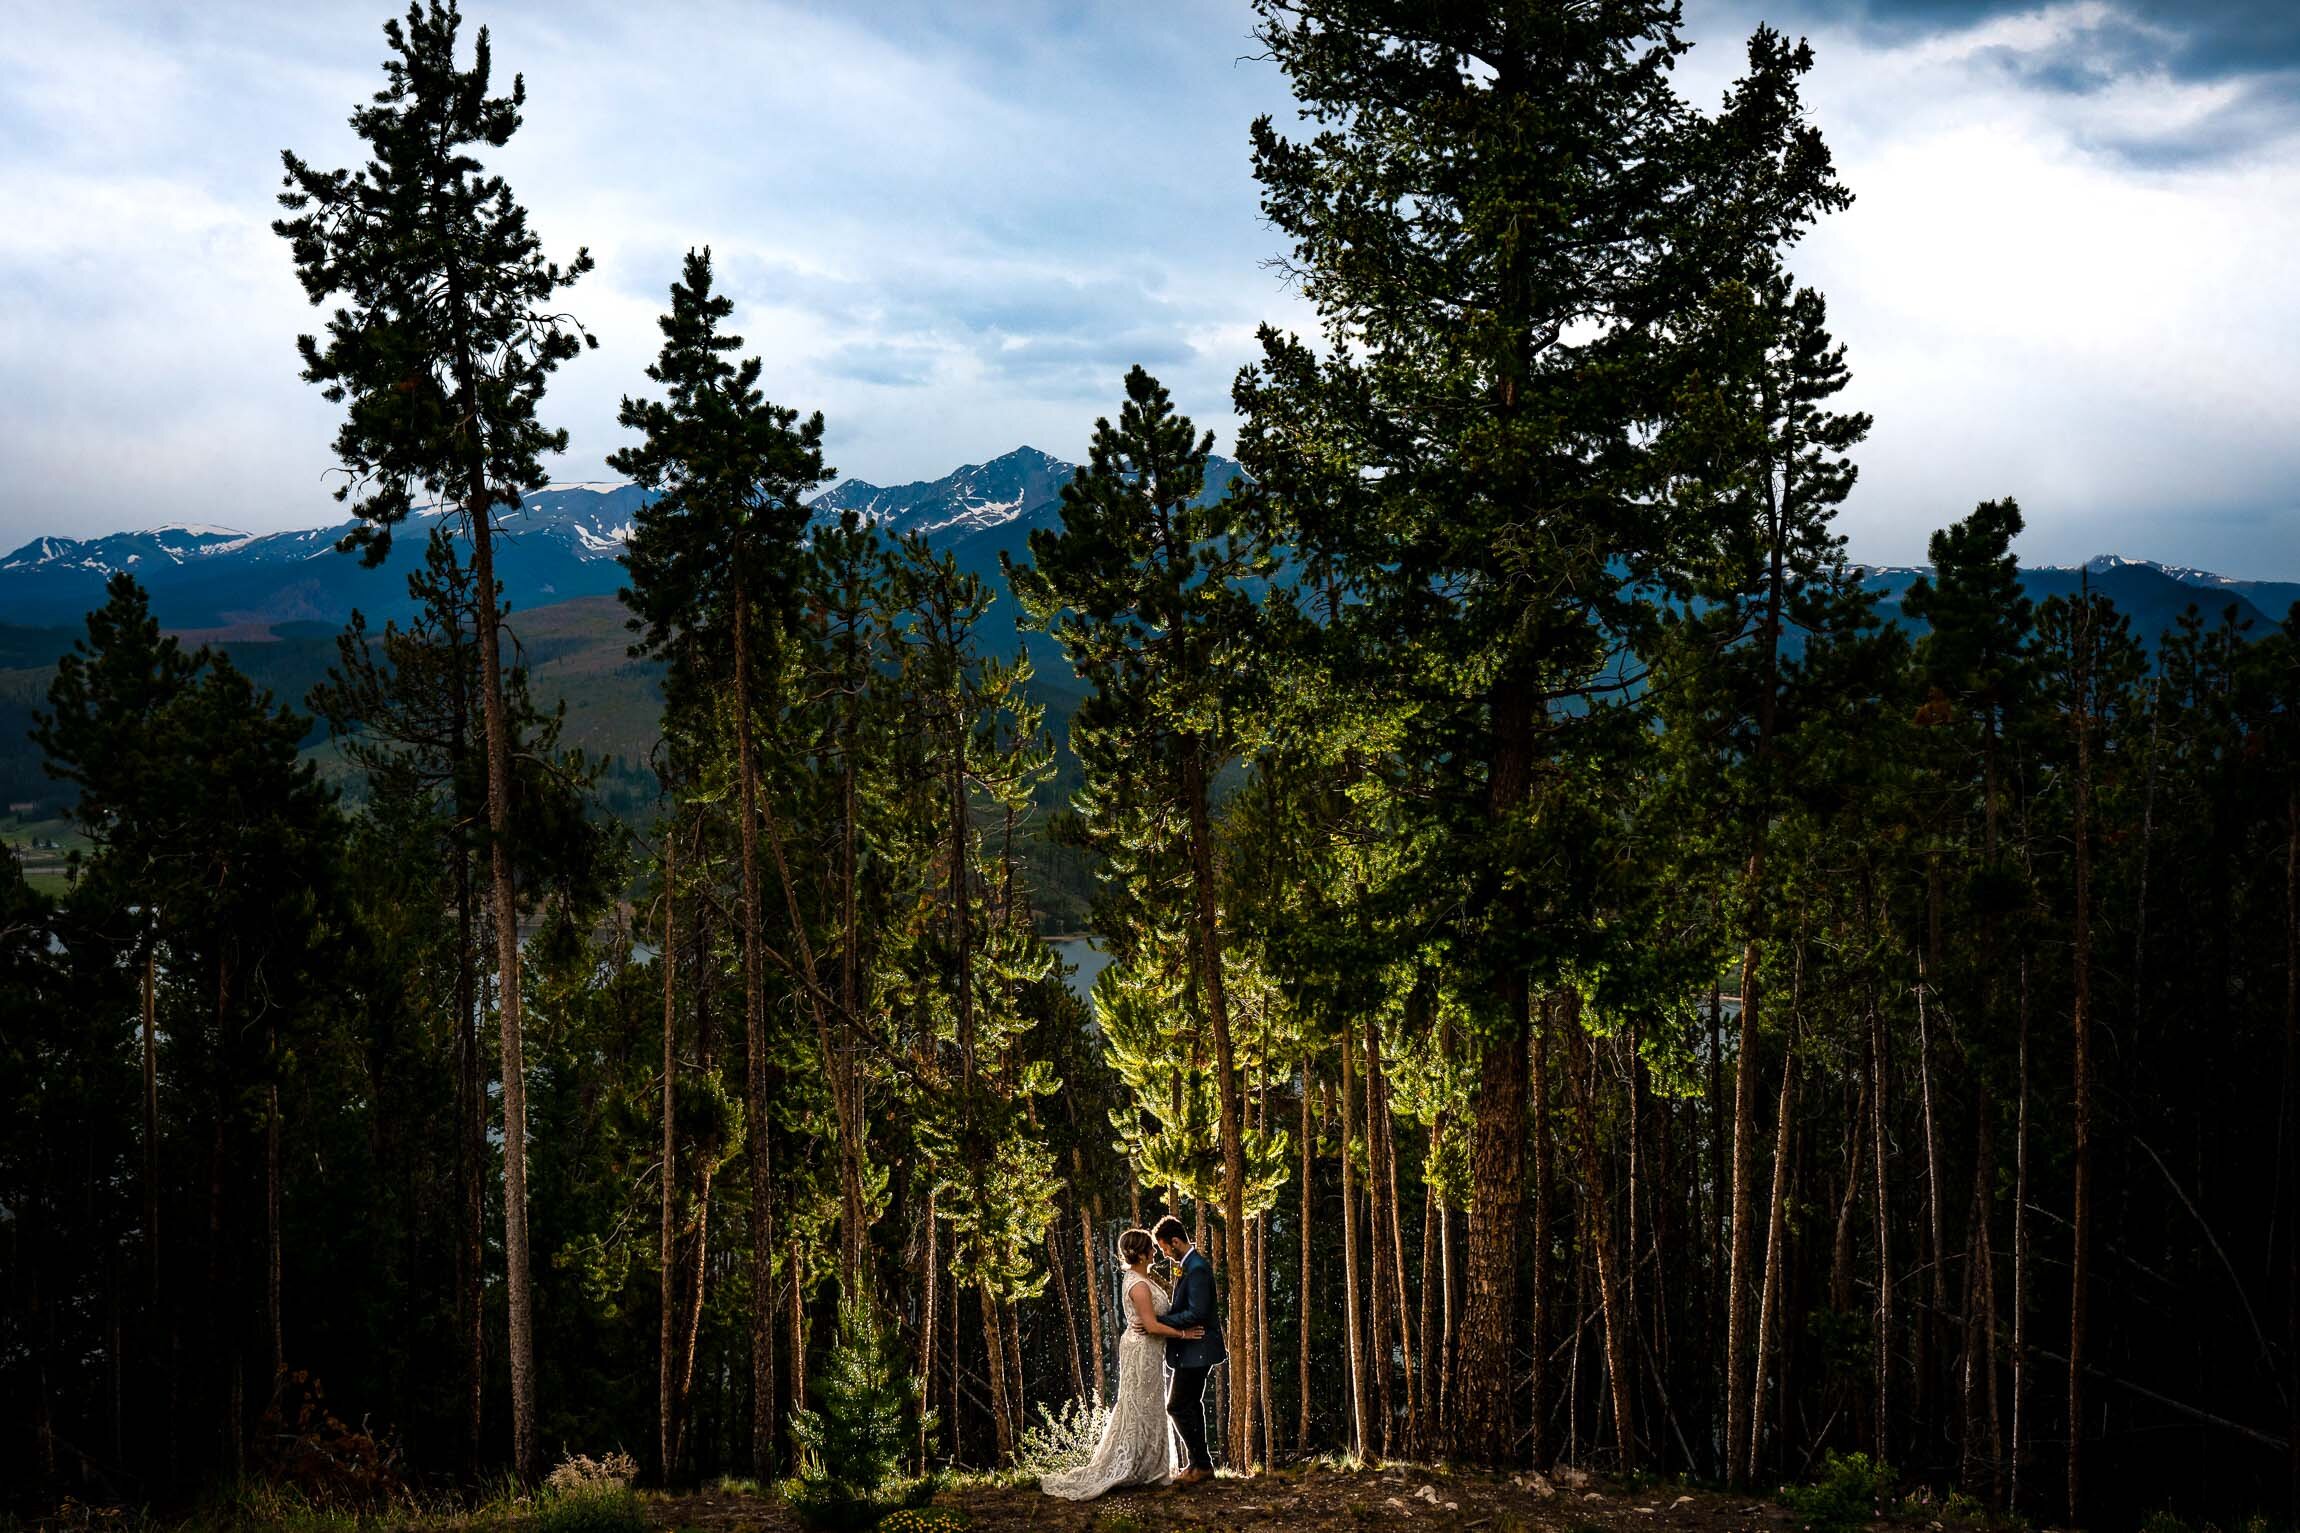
(1134, 1246)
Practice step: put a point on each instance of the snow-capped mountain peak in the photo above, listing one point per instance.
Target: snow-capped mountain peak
(969, 498)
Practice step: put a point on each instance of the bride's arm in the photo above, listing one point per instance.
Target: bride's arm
(1138, 1297)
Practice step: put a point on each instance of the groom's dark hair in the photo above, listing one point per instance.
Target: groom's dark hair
(1169, 1228)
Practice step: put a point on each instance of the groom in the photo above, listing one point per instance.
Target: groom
(1191, 1360)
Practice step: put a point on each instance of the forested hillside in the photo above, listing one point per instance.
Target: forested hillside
(1609, 981)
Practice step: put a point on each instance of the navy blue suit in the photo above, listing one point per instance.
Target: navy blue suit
(1193, 1305)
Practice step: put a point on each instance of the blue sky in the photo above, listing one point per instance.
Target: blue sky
(2069, 275)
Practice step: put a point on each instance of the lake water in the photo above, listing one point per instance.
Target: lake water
(1087, 960)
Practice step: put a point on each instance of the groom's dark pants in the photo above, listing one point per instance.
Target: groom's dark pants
(1187, 1405)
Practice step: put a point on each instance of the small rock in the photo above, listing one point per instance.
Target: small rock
(1427, 1493)
(1590, 1495)
(1680, 1501)
(1539, 1484)
(1403, 1509)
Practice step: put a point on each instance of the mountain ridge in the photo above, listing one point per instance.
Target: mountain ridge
(566, 541)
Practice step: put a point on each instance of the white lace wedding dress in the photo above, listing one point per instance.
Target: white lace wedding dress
(1138, 1445)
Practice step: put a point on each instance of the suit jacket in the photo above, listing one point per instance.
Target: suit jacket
(1194, 1305)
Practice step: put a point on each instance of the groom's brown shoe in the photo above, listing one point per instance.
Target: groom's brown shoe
(1193, 1476)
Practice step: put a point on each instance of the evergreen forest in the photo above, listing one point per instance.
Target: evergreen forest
(1603, 993)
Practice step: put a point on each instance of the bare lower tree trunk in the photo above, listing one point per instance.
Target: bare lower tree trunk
(1930, 1318)
(667, 1256)
(472, 1164)
(1011, 1329)
(505, 907)
(926, 1316)
(1883, 1359)
(1262, 1336)
(1427, 1431)
(691, 1327)
(2080, 1256)
(1381, 1300)
(1261, 1223)
(1745, 1071)
(2020, 1378)
(1776, 1220)
(1216, 994)
(1088, 1264)
(2292, 1131)
(1360, 1412)
(1597, 1217)
(1488, 1432)
(761, 1157)
(1302, 1294)
(994, 1348)
(1544, 1213)
(1061, 1281)
(1383, 1120)
(274, 1324)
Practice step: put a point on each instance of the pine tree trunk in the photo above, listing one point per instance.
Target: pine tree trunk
(1061, 1282)
(794, 1381)
(1302, 1294)
(1883, 1345)
(1776, 1220)
(1426, 1430)
(761, 1156)
(1360, 1411)
(1379, 1079)
(1930, 1318)
(151, 1188)
(994, 1348)
(479, 510)
(2292, 1127)
(1544, 1216)
(691, 1327)
(1011, 1330)
(1262, 1337)
(1597, 1218)
(2020, 1370)
(926, 1318)
(1225, 1064)
(1261, 1230)
(667, 1258)
(1380, 1300)
(1090, 1274)
(1497, 1146)
(1745, 1071)
(274, 1324)
(1497, 1183)
(472, 1155)
(2080, 1257)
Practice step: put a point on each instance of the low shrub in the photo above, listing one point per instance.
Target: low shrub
(1060, 1440)
(1852, 1489)
(588, 1495)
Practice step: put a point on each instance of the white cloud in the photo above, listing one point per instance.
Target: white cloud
(2036, 306)
(952, 228)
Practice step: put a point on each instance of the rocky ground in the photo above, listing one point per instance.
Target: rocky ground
(1312, 1497)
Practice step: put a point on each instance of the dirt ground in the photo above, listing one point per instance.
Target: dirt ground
(1312, 1497)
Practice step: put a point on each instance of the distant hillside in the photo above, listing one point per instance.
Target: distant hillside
(564, 542)
(2153, 596)
(275, 601)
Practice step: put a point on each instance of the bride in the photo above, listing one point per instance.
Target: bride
(1138, 1445)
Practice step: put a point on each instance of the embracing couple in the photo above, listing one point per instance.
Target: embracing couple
(1179, 1331)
